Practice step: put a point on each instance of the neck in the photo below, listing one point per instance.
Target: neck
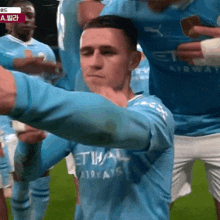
(22, 37)
(119, 96)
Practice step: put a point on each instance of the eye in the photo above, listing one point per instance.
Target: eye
(108, 52)
(86, 53)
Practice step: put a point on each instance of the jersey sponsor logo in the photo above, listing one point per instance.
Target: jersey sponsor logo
(156, 30)
(104, 174)
(170, 57)
(99, 159)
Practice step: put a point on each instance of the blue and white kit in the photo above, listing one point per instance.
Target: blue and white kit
(123, 156)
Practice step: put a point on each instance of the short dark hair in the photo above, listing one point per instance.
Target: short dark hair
(113, 21)
(13, 2)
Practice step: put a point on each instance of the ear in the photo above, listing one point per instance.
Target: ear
(135, 59)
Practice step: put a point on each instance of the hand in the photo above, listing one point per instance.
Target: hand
(31, 135)
(198, 52)
(35, 65)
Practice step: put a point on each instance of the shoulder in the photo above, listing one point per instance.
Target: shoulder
(149, 101)
(4, 38)
(152, 107)
(43, 45)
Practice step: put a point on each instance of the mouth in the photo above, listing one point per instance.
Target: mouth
(95, 75)
(28, 27)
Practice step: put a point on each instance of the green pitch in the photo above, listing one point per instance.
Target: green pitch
(198, 205)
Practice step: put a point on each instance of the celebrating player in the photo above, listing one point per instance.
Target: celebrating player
(121, 142)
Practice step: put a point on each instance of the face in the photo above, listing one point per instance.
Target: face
(160, 5)
(26, 28)
(105, 58)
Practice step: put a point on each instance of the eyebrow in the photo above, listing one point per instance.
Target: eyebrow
(101, 47)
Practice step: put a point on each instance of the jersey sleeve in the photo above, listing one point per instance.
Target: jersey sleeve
(32, 161)
(6, 59)
(160, 120)
(124, 8)
(86, 118)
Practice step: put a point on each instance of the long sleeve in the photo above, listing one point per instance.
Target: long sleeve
(32, 161)
(85, 118)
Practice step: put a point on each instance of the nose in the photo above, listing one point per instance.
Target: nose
(96, 60)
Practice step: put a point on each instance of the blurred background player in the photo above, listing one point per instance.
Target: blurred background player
(20, 44)
(140, 75)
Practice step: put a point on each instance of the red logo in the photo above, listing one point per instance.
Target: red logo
(12, 18)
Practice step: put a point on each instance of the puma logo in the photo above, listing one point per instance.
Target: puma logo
(154, 30)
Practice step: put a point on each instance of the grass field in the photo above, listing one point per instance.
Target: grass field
(198, 205)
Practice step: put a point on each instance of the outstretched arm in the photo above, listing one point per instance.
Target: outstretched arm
(86, 118)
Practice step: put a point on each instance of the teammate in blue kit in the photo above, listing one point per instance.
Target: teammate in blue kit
(20, 44)
(182, 46)
(121, 141)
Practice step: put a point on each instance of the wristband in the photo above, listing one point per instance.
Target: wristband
(18, 126)
(211, 53)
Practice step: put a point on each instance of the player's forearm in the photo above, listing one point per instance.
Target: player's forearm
(7, 91)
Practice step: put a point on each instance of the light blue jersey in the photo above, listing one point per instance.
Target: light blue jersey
(123, 156)
(19, 49)
(69, 34)
(192, 93)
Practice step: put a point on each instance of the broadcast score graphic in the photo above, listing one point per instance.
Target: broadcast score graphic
(11, 15)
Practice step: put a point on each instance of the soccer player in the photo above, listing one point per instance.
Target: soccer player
(20, 44)
(121, 142)
(182, 46)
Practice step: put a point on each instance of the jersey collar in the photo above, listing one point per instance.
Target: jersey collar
(138, 95)
(28, 43)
